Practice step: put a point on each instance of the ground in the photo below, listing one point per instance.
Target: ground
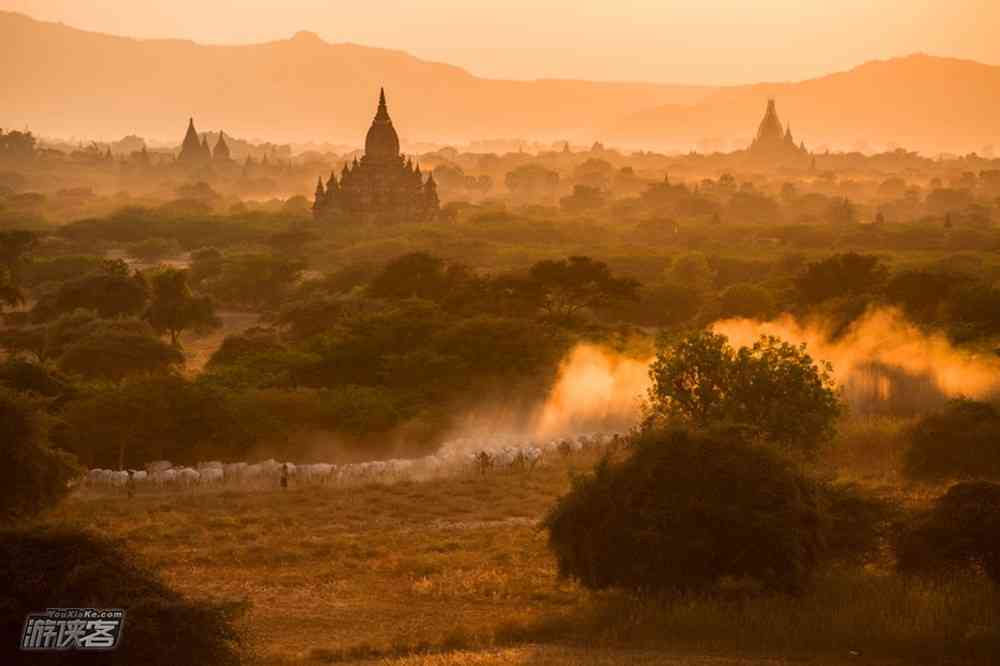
(457, 571)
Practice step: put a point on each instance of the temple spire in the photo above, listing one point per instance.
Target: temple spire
(383, 110)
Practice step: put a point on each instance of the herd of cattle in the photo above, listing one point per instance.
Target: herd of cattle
(466, 455)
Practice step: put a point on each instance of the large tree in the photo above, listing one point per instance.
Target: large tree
(772, 387)
(33, 475)
(567, 286)
(174, 309)
(112, 291)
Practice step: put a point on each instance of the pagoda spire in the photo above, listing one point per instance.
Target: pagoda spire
(383, 110)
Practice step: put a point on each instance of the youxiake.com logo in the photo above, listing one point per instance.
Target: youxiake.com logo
(87, 629)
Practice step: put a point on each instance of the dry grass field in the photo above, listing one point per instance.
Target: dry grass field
(456, 571)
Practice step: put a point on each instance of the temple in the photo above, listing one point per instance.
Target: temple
(221, 151)
(193, 149)
(196, 152)
(773, 142)
(382, 186)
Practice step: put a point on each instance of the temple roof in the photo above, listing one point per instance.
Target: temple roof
(382, 142)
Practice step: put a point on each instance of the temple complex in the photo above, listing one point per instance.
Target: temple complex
(196, 152)
(774, 142)
(382, 186)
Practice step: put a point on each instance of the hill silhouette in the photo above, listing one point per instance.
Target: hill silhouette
(67, 82)
(919, 102)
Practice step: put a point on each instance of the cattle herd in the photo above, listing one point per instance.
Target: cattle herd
(497, 453)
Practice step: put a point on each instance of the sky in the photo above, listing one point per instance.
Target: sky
(683, 41)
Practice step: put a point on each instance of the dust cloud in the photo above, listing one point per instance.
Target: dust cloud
(882, 359)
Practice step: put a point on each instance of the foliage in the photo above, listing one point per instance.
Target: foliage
(173, 308)
(961, 441)
(960, 532)
(110, 292)
(181, 421)
(249, 343)
(154, 249)
(416, 275)
(684, 512)
(253, 280)
(847, 274)
(59, 568)
(580, 282)
(33, 474)
(34, 378)
(693, 271)
(773, 387)
(746, 300)
(116, 349)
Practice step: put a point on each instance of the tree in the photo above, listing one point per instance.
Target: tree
(584, 198)
(253, 280)
(116, 349)
(33, 475)
(181, 420)
(686, 510)
(16, 146)
(415, 275)
(961, 532)
(10, 294)
(566, 286)
(173, 308)
(849, 274)
(772, 387)
(110, 292)
(532, 181)
(745, 300)
(962, 441)
(693, 271)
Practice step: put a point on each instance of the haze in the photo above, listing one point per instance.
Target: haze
(715, 42)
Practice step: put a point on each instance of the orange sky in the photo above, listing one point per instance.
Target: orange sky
(686, 41)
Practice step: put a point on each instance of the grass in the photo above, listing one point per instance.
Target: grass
(456, 571)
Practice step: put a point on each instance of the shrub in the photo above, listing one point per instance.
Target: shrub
(856, 525)
(960, 532)
(33, 475)
(961, 441)
(686, 511)
(58, 568)
(745, 300)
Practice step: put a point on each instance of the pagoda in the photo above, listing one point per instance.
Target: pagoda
(193, 149)
(380, 187)
(774, 143)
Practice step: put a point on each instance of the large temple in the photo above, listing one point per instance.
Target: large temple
(774, 142)
(382, 186)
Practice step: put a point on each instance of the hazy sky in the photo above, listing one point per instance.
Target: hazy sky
(682, 41)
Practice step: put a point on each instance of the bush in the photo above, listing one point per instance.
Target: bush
(745, 300)
(856, 525)
(58, 568)
(960, 442)
(686, 511)
(33, 475)
(960, 532)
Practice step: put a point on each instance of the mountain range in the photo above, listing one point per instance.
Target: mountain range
(64, 82)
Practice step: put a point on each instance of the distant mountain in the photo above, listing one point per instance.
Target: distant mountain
(65, 82)
(919, 102)
(62, 81)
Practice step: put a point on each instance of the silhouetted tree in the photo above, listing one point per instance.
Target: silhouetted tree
(173, 308)
(774, 388)
(567, 286)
